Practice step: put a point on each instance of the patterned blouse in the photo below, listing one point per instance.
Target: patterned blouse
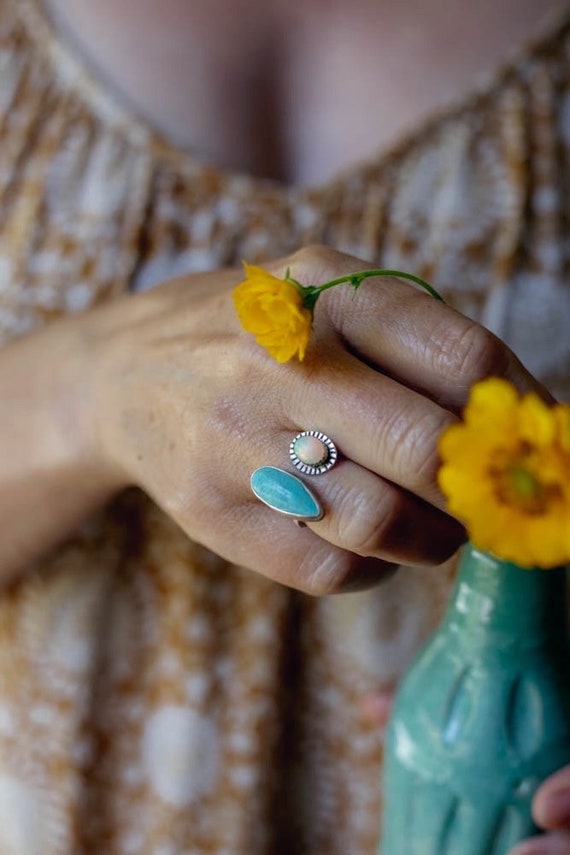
(154, 698)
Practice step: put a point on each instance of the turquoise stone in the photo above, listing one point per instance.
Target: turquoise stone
(285, 493)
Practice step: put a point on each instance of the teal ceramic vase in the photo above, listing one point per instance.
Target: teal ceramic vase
(482, 717)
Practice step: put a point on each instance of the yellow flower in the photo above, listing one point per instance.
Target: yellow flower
(279, 312)
(272, 309)
(506, 475)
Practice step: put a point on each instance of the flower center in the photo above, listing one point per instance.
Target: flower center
(518, 483)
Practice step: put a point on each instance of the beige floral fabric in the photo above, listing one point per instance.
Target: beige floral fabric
(155, 699)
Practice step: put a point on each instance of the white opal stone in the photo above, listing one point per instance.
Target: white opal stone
(311, 450)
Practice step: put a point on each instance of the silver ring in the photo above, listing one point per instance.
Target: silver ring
(313, 452)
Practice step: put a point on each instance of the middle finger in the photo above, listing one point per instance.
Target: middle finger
(377, 422)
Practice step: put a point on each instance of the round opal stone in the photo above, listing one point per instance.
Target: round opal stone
(311, 450)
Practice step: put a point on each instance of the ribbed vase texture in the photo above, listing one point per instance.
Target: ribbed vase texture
(482, 717)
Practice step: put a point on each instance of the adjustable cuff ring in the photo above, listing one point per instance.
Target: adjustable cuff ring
(313, 452)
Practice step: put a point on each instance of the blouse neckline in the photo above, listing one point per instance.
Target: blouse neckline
(76, 75)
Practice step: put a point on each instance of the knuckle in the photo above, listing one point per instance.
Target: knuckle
(418, 454)
(191, 497)
(476, 353)
(473, 354)
(314, 254)
(335, 571)
(180, 503)
(327, 572)
(315, 263)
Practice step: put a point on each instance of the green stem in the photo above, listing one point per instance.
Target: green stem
(311, 292)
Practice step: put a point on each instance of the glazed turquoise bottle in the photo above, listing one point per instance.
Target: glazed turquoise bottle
(482, 717)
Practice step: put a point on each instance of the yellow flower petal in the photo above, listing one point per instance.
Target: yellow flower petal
(562, 417)
(536, 420)
(272, 309)
(506, 475)
(491, 405)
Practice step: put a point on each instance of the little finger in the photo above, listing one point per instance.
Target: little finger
(370, 516)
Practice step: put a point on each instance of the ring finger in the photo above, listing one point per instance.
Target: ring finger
(364, 516)
(378, 422)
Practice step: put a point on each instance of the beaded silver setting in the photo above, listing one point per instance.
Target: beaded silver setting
(313, 452)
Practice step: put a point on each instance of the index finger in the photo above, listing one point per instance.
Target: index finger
(402, 331)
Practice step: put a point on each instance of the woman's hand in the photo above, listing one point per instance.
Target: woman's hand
(187, 406)
(165, 391)
(551, 811)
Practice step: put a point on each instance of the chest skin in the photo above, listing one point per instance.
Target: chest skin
(296, 91)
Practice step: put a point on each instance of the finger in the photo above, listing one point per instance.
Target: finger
(368, 526)
(376, 421)
(405, 332)
(377, 707)
(422, 342)
(370, 516)
(364, 513)
(551, 805)
(557, 843)
(268, 543)
(356, 544)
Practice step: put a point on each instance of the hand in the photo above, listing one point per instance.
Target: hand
(187, 405)
(551, 811)
(376, 707)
